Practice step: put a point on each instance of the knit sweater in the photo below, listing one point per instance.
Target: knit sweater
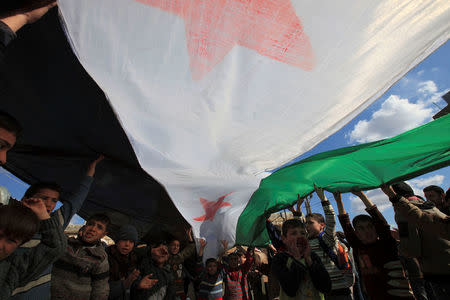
(21, 267)
(380, 269)
(39, 287)
(339, 279)
(81, 273)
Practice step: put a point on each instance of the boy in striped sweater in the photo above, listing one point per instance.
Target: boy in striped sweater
(324, 243)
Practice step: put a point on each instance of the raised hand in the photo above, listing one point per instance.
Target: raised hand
(37, 206)
(293, 249)
(131, 278)
(388, 190)
(189, 234)
(224, 244)
(202, 243)
(147, 282)
(28, 16)
(320, 193)
(91, 169)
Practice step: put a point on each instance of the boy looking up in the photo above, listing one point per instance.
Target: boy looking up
(49, 193)
(300, 272)
(376, 251)
(83, 270)
(324, 242)
(18, 223)
(210, 280)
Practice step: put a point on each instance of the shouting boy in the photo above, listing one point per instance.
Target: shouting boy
(300, 272)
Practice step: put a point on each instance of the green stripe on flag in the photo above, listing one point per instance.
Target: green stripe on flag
(361, 167)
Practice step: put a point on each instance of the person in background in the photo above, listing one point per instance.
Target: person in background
(155, 282)
(176, 261)
(83, 270)
(300, 272)
(436, 195)
(376, 252)
(123, 263)
(431, 250)
(18, 223)
(324, 242)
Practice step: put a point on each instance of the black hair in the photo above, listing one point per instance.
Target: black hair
(18, 222)
(316, 216)
(211, 260)
(100, 218)
(403, 189)
(10, 123)
(434, 188)
(361, 219)
(291, 223)
(36, 187)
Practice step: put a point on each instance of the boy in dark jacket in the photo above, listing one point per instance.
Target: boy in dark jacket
(18, 223)
(301, 273)
(155, 281)
(123, 262)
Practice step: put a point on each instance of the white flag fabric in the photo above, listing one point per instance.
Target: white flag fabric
(211, 93)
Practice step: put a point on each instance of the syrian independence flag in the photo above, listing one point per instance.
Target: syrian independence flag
(211, 93)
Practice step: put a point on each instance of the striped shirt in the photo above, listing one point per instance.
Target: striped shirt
(339, 279)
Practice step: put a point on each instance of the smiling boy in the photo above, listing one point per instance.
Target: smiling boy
(83, 270)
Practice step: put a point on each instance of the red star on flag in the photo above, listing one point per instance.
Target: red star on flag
(211, 208)
(213, 27)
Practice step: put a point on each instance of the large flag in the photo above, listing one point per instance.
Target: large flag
(211, 93)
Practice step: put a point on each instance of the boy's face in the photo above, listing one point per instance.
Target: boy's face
(93, 231)
(125, 246)
(7, 141)
(435, 197)
(233, 261)
(211, 268)
(293, 234)
(174, 247)
(7, 245)
(366, 232)
(49, 197)
(242, 259)
(313, 227)
(160, 254)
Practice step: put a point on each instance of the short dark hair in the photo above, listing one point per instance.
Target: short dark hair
(289, 224)
(100, 217)
(447, 195)
(36, 187)
(18, 221)
(211, 260)
(361, 219)
(10, 123)
(316, 216)
(434, 188)
(403, 189)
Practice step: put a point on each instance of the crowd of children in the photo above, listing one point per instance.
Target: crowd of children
(307, 258)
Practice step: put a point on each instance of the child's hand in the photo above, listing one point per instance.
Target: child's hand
(91, 169)
(320, 194)
(37, 206)
(189, 234)
(304, 247)
(293, 249)
(337, 196)
(224, 244)
(202, 243)
(131, 278)
(147, 282)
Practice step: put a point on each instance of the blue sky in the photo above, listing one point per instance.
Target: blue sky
(409, 103)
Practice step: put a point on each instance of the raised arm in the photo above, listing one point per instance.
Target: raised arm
(24, 17)
(345, 221)
(330, 221)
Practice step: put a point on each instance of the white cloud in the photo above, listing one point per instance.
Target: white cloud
(376, 196)
(420, 72)
(427, 87)
(418, 184)
(435, 69)
(395, 116)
